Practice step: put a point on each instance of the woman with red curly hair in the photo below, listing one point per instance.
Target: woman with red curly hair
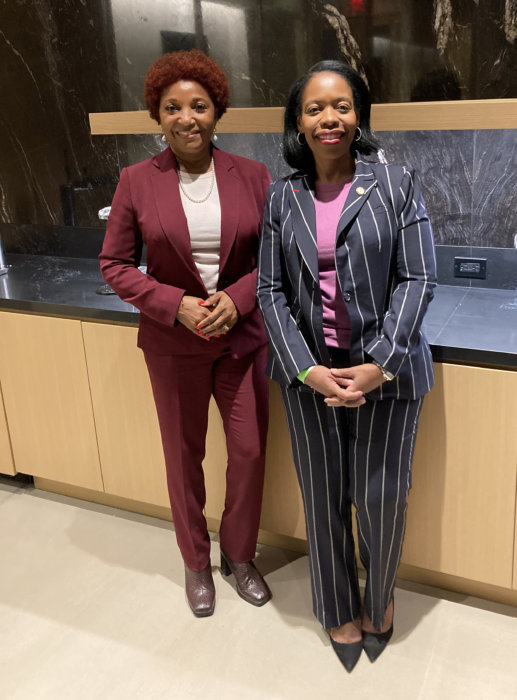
(199, 212)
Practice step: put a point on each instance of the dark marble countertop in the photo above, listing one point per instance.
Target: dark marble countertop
(474, 325)
(60, 286)
(463, 324)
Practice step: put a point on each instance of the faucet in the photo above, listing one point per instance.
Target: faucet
(103, 216)
(3, 266)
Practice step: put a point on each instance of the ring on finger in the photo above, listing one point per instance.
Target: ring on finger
(226, 328)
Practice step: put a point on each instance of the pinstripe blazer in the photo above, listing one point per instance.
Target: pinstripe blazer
(386, 271)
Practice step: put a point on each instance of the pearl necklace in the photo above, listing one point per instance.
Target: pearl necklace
(198, 201)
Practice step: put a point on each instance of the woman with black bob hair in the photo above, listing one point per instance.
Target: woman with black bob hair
(298, 155)
(346, 271)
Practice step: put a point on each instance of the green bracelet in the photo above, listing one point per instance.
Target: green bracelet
(303, 374)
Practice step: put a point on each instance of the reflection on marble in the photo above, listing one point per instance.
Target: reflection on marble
(398, 46)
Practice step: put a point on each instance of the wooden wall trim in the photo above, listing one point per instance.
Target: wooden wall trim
(405, 116)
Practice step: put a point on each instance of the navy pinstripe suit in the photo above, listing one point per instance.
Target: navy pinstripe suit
(386, 270)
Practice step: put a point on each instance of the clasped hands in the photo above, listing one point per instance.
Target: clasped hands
(210, 317)
(345, 386)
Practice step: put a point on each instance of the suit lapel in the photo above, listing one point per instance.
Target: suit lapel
(362, 184)
(304, 221)
(303, 212)
(229, 187)
(170, 209)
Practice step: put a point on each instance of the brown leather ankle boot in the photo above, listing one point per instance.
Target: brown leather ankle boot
(200, 590)
(250, 584)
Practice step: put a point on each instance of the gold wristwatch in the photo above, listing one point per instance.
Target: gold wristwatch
(388, 376)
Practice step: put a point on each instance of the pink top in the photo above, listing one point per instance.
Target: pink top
(329, 205)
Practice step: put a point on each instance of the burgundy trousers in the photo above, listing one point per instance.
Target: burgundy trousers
(182, 387)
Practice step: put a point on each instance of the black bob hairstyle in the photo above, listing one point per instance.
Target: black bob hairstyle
(299, 156)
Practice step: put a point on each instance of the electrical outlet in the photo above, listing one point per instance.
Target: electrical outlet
(475, 268)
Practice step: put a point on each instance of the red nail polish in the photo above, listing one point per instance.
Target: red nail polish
(198, 325)
(200, 303)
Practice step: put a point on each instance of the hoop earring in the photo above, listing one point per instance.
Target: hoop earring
(164, 138)
(358, 138)
(298, 138)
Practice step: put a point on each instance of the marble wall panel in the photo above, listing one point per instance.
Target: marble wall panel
(494, 210)
(135, 148)
(266, 148)
(444, 162)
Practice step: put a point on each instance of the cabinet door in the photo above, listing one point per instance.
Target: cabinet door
(515, 548)
(125, 417)
(6, 457)
(47, 399)
(461, 514)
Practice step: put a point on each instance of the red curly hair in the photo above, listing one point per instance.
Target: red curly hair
(186, 65)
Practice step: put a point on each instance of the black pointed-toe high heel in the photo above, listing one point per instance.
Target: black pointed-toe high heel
(374, 643)
(348, 654)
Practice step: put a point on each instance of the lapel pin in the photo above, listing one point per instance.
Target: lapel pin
(360, 190)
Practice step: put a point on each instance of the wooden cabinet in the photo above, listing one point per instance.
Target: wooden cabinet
(282, 507)
(6, 457)
(461, 515)
(515, 554)
(125, 418)
(47, 399)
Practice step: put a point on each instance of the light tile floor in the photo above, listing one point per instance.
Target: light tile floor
(92, 606)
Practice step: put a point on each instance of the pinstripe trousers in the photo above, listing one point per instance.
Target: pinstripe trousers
(360, 456)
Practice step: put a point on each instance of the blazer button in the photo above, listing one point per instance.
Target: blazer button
(347, 296)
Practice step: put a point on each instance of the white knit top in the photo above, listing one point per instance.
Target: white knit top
(204, 224)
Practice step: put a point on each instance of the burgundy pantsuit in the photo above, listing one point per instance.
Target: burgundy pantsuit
(182, 388)
(185, 370)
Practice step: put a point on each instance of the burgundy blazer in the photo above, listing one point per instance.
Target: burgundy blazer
(147, 209)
